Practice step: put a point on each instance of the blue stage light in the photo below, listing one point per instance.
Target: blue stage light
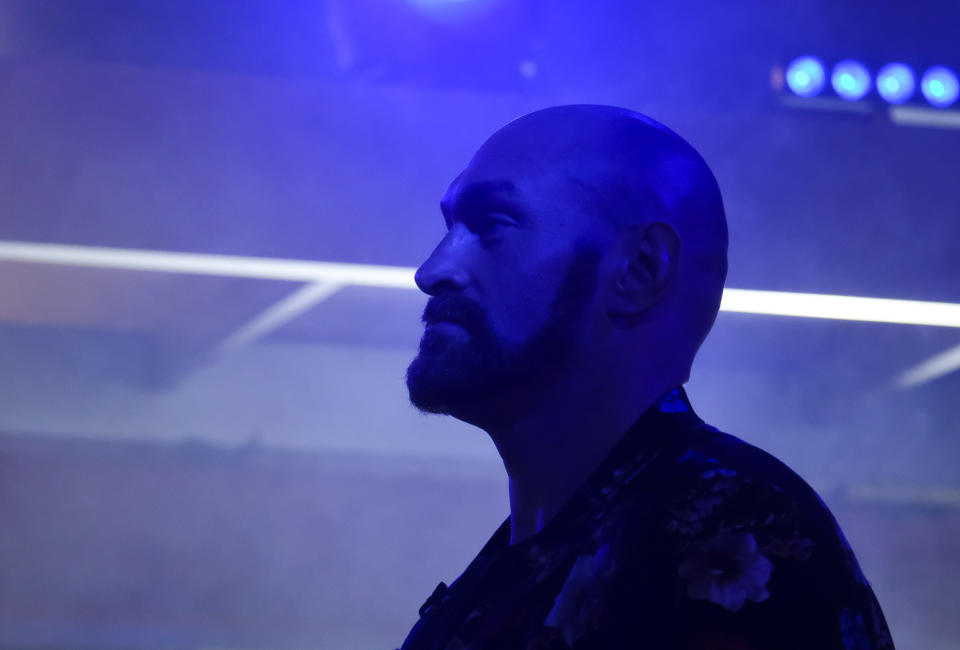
(939, 86)
(850, 80)
(805, 76)
(895, 82)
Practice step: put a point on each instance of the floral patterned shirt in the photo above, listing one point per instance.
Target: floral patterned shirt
(683, 538)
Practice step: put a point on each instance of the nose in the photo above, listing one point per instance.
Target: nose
(445, 269)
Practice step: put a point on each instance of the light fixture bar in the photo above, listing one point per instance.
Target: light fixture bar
(922, 116)
(265, 268)
(299, 302)
(854, 308)
(903, 494)
(933, 368)
(776, 303)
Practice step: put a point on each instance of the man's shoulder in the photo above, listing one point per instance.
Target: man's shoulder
(706, 445)
(706, 456)
(721, 536)
(711, 492)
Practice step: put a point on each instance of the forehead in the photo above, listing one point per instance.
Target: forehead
(523, 178)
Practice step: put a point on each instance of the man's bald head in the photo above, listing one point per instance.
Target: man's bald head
(632, 171)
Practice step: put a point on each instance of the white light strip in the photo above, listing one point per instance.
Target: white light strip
(933, 368)
(904, 494)
(396, 277)
(918, 116)
(298, 302)
(815, 305)
(776, 303)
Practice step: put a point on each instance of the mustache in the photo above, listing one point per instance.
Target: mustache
(454, 309)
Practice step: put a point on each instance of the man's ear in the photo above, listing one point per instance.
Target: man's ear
(648, 266)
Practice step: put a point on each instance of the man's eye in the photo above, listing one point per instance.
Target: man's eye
(488, 223)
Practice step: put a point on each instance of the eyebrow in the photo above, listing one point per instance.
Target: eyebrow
(474, 192)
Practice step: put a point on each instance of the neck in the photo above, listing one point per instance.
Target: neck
(564, 432)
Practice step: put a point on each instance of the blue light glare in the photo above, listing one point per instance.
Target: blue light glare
(939, 86)
(453, 11)
(805, 76)
(895, 82)
(850, 80)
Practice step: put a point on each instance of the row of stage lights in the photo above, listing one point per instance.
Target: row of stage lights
(896, 83)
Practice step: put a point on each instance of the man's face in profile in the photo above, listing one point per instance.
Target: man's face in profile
(510, 284)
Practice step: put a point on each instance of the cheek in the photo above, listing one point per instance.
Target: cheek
(527, 296)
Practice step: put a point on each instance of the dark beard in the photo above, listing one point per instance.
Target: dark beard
(454, 378)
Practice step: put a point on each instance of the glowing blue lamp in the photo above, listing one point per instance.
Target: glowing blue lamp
(939, 86)
(805, 76)
(895, 82)
(850, 80)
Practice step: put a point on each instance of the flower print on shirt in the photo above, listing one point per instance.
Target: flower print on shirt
(727, 570)
(729, 529)
(578, 606)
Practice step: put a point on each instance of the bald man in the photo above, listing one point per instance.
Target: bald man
(581, 270)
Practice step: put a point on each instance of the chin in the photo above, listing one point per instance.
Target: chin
(425, 388)
(466, 377)
(438, 386)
